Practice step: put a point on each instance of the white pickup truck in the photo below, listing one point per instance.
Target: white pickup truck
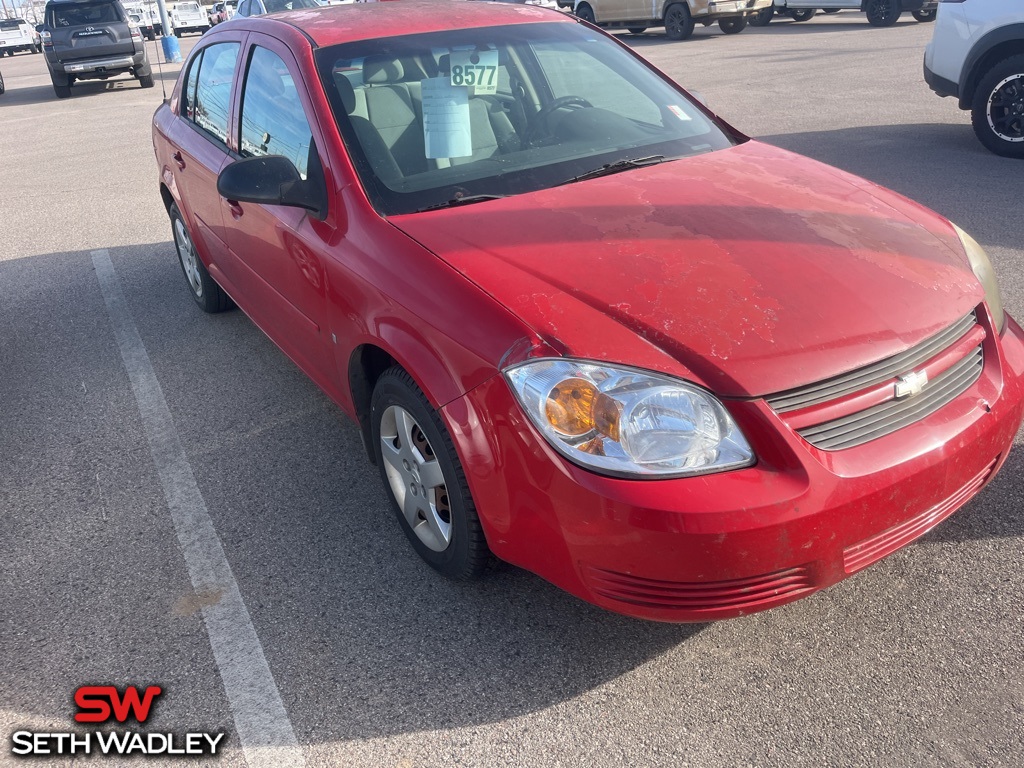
(880, 13)
(188, 17)
(678, 17)
(18, 35)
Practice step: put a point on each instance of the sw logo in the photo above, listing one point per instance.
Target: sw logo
(97, 703)
(102, 704)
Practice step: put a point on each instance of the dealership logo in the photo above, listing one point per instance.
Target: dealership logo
(911, 384)
(105, 703)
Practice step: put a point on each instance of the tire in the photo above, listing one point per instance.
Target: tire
(763, 17)
(733, 26)
(2, 89)
(37, 48)
(637, 30)
(204, 289)
(997, 112)
(924, 15)
(883, 13)
(146, 81)
(440, 520)
(803, 14)
(586, 13)
(151, 35)
(177, 33)
(678, 22)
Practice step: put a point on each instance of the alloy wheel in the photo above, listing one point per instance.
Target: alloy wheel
(187, 256)
(416, 478)
(1006, 109)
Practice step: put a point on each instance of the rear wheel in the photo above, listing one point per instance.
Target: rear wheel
(424, 478)
(1, 83)
(763, 17)
(733, 26)
(924, 15)
(204, 289)
(678, 22)
(146, 81)
(883, 13)
(997, 114)
(586, 13)
(151, 34)
(803, 14)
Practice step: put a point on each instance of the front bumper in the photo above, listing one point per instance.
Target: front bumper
(730, 544)
(940, 85)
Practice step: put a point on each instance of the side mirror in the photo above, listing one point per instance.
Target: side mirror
(271, 180)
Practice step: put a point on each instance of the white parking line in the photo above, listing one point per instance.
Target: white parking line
(260, 717)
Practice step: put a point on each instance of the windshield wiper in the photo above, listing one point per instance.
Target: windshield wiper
(617, 167)
(464, 200)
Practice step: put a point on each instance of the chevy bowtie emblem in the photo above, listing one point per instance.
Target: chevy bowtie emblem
(911, 384)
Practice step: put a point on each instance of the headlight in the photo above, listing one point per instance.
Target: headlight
(986, 275)
(624, 422)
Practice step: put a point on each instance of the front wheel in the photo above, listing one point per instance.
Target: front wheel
(733, 26)
(883, 13)
(204, 289)
(424, 478)
(763, 17)
(678, 22)
(997, 114)
(924, 15)
(586, 13)
(804, 14)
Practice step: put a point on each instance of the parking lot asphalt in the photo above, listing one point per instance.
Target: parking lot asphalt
(378, 661)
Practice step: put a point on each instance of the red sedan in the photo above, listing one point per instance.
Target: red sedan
(584, 324)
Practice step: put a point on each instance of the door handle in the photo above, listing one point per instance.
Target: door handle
(235, 208)
(179, 160)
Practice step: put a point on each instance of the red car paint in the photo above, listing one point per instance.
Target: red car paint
(748, 270)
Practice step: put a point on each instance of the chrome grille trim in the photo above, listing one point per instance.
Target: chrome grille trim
(868, 376)
(893, 415)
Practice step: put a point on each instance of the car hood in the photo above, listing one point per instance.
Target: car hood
(754, 269)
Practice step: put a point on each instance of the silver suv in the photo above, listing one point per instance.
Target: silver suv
(92, 40)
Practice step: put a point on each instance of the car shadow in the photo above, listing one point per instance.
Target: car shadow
(38, 94)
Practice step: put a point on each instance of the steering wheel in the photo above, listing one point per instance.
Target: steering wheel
(538, 126)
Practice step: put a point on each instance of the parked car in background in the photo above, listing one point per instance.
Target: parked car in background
(263, 7)
(147, 16)
(92, 40)
(1, 83)
(581, 322)
(17, 35)
(187, 17)
(678, 17)
(976, 54)
(880, 13)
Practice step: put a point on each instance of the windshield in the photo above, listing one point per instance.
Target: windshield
(499, 111)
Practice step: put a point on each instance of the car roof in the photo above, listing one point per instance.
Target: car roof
(333, 24)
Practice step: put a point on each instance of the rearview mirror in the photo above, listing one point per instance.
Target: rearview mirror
(271, 180)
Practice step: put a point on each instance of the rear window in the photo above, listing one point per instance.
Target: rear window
(9, 24)
(187, 7)
(81, 14)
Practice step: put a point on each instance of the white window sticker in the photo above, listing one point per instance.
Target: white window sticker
(446, 127)
(676, 110)
(476, 68)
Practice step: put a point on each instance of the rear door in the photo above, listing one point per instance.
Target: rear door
(200, 137)
(89, 30)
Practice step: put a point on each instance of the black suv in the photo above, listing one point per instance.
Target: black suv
(92, 40)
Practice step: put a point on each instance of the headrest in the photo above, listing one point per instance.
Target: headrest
(382, 69)
(346, 92)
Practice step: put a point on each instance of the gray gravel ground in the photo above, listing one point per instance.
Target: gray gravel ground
(914, 662)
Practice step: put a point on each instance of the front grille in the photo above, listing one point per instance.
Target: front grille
(862, 378)
(742, 594)
(837, 431)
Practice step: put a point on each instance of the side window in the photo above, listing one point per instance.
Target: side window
(188, 96)
(213, 89)
(273, 121)
(243, 7)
